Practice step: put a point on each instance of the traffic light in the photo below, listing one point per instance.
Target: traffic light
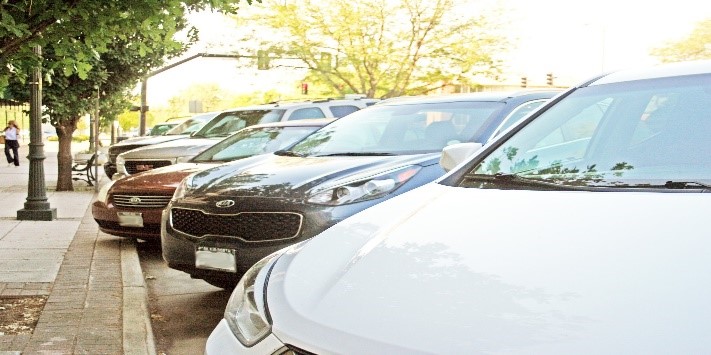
(325, 62)
(549, 79)
(524, 82)
(262, 60)
(304, 88)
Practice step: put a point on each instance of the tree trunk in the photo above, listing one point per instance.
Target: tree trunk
(65, 130)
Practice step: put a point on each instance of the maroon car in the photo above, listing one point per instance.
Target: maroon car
(132, 206)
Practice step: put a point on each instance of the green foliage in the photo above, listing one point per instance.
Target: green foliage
(80, 138)
(80, 31)
(695, 47)
(383, 48)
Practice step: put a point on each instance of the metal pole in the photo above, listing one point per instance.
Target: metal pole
(142, 125)
(36, 207)
(96, 140)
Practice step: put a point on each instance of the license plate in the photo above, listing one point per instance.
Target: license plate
(211, 258)
(130, 219)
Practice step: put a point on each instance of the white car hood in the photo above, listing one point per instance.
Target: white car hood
(171, 149)
(456, 270)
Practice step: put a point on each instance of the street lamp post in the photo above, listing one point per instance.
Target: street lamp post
(36, 207)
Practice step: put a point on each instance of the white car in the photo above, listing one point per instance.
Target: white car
(581, 230)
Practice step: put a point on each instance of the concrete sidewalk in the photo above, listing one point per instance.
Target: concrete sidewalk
(96, 295)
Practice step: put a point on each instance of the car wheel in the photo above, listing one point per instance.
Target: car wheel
(223, 283)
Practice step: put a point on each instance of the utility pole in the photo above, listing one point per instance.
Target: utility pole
(144, 83)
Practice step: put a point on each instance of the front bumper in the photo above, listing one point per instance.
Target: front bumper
(223, 341)
(179, 248)
(106, 216)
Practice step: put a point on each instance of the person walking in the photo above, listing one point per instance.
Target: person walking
(12, 134)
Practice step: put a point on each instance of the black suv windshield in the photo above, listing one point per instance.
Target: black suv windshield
(644, 134)
(399, 129)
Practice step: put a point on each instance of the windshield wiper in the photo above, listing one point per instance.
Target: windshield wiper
(288, 153)
(356, 154)
(515, 180)
(686, 185)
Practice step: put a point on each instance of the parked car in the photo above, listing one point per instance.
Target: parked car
(228, 122)
(132, 206)
(224, 219)
(183, 130)
(581, 230)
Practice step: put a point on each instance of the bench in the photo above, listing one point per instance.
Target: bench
(84, 170)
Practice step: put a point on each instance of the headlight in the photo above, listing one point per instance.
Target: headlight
(361, 188)
(120, 160)
(242, 313)
(104, 192)
(185, 186)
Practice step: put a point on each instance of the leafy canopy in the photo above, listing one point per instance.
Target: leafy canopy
(696, 46)
(383, 48)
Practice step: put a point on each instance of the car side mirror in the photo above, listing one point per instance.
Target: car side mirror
(455, 154)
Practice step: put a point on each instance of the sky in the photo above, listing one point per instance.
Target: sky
(572, 39)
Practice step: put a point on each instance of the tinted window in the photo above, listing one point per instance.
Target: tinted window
(340, 111)
(304, 113)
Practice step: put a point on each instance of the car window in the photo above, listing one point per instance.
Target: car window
(400, 129)
(252, 142)
(616, 134)
(305, 113)
(340, 111)
(189, 126)
(230, 122)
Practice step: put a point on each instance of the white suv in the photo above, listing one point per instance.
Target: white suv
(227, 123)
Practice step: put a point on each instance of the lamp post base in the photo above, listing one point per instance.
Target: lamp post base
(37, 215)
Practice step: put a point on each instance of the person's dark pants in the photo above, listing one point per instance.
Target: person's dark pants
(14, 158)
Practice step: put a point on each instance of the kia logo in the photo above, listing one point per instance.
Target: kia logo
(225, 203)
(134, 200)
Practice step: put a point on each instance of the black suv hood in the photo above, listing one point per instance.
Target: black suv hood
(286, 176)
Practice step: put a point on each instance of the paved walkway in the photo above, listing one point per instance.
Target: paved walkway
(96, 295)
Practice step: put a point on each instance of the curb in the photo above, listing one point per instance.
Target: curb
(137, 330)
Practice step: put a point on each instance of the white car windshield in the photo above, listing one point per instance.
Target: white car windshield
(400, 129)
(650, 133)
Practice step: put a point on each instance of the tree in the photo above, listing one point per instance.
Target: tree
(383, 48)
(97, 67)
(81, 30)
(696, 46)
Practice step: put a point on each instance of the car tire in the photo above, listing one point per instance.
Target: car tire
(223, 283)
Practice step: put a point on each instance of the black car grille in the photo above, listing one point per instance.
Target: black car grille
(292, 350)
(141, 201)
(133, 167)
(249, 226)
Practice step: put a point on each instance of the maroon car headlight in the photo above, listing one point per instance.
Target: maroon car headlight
(103, 195)
(362, 187)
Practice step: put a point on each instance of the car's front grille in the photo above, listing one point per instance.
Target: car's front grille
(249, 226)
(137, 166)
(141, 201)
(292, 350)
